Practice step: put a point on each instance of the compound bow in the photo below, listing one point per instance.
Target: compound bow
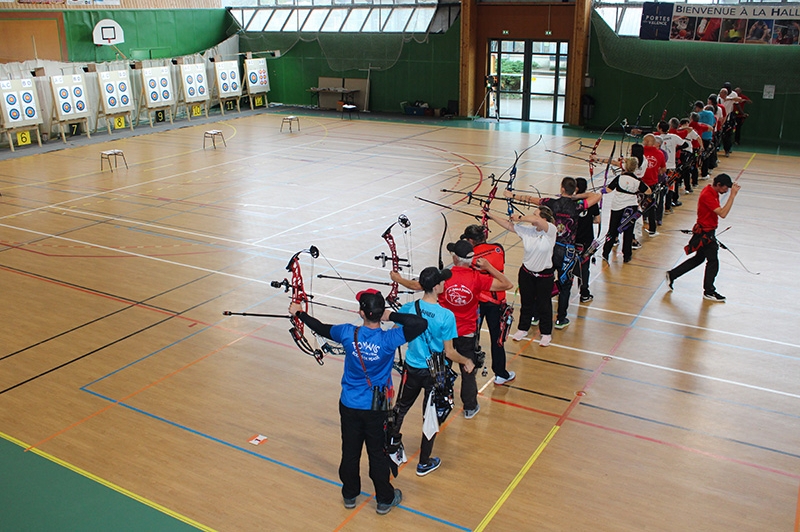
(392, 298)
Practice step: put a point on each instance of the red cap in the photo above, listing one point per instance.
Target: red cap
(367, 291)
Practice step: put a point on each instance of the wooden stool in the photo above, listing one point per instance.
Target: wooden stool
(289, 120)
(350, 109)
(107, 155)
(213, 134)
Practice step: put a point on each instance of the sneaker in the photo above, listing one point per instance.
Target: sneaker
(534, 323)
(545, 340)
(627, 259)
(714, 296)
(668, 211)
(653, 233)
(687, 191)
(469, 414)
(498, 380)
(561, 324)
(350, 503)
(669, 280)
(385, 508)
(677, 203)
(587, 298)
(519, 335)
(636, 245)
(432, 465)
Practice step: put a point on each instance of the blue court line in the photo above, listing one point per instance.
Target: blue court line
(260, 456)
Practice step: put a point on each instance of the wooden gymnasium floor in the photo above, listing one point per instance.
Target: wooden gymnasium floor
(652, 411)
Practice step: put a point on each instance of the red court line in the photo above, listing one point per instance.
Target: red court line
(797, 514)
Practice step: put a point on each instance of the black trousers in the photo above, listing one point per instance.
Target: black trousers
(492, 313)
(465, 345)
(360, 427)
(613, 232)
(415, 380)
(536, 297)
(709, 254)
(707, 162)
(564, 289)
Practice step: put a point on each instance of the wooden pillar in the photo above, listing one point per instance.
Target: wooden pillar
(578, 61)
(469, 36)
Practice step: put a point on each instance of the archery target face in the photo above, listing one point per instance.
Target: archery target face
(18, 103)
(66, 108)
(228, 79)
(116, 87)
(152, 83)
(70, 101)
(160, 86)
(193, 82)
(253, 78)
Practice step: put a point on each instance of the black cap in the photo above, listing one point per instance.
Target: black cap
(371, 302)
(431, 276)
(462, 248)
(474, 232)
(723, 179)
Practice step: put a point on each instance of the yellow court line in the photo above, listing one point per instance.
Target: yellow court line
(745, 167)
(108, 484)
(511, 487)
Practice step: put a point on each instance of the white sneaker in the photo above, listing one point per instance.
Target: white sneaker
(498, 380)
(545, 340)
(519, 335)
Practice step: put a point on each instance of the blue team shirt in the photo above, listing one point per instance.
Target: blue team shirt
(441, 327)
(707, 117)
(377, 350)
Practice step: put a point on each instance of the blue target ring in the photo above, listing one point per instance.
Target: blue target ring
(66, 107)
(63, 94)
(14, 114)
(253, 78)
(27, 97)
(78, 92)
(165, 95)
(233, 74)
(191, 91)
(234, 86)
(11, 99)
(223, 76)
(124, 99)
(199, 78)
(164, 82)
(189, 80)
(110, 88)
(79, 105)
(152, 83)
(224, 87)
(112, 102)
(30, 112)
(154, 96)
(201, 89)
(122, 86)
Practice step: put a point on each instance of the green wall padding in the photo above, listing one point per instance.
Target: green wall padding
(427, 71)
(149, 34)
(620, 92)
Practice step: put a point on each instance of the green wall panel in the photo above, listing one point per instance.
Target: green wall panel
(427, 71)
(620, 94)
(148, 33)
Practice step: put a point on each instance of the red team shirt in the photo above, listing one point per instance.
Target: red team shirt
(708, 201)
(496, 256)
(461, 295)
(655, 161)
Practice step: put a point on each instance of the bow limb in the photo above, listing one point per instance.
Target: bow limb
(392, 298)
(729, 250)
(441, 242)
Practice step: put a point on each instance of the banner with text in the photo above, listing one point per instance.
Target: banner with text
(750, 23)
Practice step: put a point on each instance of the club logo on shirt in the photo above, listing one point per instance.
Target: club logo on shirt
(458, 295)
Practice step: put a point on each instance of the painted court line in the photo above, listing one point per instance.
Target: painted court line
(108, 484)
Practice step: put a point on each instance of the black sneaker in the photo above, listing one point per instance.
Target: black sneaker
(669, 280)
(432, 465)
(385, 508)
(714, 296)
(561, 324)
(636, 245)
(587, 298)
(350, 503)
(677, 203)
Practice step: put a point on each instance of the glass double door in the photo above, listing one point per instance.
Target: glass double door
(527, 80)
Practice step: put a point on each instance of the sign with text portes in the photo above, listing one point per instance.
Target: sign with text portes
(19, 106)
(752, 23)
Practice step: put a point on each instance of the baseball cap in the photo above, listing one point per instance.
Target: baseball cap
(462, 248)
(431, 276)
(371, 301)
